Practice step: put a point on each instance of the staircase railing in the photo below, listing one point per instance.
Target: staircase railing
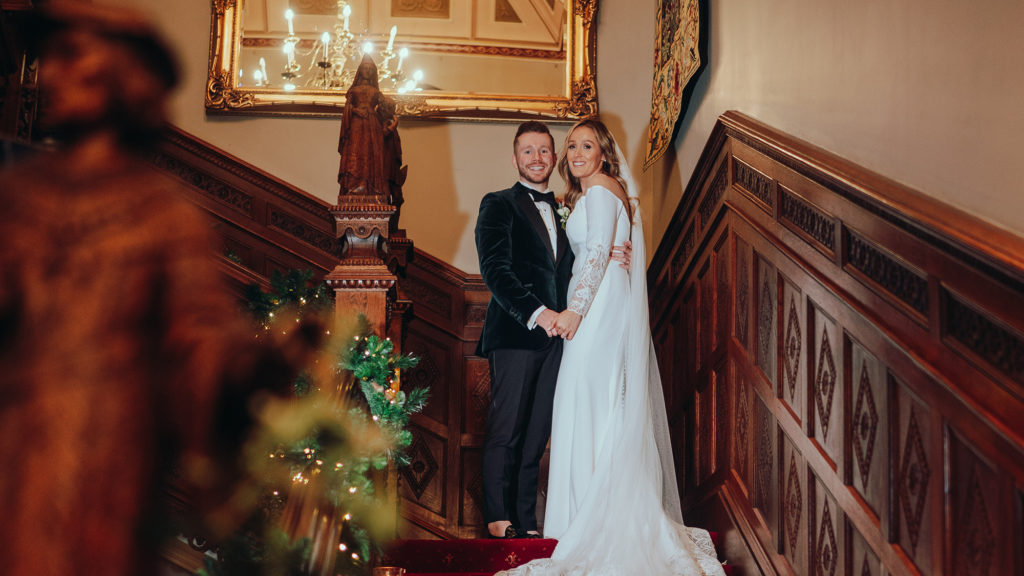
(844, 365)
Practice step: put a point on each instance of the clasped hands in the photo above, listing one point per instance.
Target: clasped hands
(565, 323)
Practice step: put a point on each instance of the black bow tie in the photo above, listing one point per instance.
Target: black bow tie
(548, 197)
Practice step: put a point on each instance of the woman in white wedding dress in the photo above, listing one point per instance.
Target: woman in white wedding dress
(612, 501)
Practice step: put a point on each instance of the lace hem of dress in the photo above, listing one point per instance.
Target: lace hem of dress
(589, 279)
(705, 563)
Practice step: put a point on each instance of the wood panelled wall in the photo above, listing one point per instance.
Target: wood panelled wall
(266, 224)
(844, 366)
(441, 490)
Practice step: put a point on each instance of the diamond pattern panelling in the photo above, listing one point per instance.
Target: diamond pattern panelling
(825, 383)
(478, 401)
(794, 504)
(740, 446)
(422, 467)
(976, 546)
(793, 344)
(865, 424)
(473, 494)
(826, 557)
(912, 488)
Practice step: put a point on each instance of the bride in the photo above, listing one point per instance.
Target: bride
(612, 500)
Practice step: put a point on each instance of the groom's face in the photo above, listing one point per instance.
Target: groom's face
(535, 157)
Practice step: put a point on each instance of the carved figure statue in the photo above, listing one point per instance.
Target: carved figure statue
(371, 152)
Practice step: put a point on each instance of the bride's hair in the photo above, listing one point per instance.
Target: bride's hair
(610, 166)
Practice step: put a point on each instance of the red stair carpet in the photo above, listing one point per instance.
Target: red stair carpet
(471, 557)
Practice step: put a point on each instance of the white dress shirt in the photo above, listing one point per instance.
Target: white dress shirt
(547, 214)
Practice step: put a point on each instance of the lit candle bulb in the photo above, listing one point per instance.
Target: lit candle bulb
(401, 56)
(258, 77)
(326, 39)
(368, 48)
(346, 12)
(391, 40)
(289, 15)
(263, 68)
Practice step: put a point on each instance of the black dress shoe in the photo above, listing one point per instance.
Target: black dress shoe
(528, 535)
(510, 533)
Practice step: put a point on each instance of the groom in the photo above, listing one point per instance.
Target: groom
(526, 263)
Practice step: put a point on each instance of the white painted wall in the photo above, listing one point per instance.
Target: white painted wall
(927, 92)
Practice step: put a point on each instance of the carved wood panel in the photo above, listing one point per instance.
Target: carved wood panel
(706, 307)
(705, 442)
(766, 468)
(918, 479)
(827, 544)
(766, 310)
(793, 387)
(825, 386)
(867, 404)
(742, 291)
(471, 488)
(743, 437)
(866, 365)
(861, 560)
(723, 418)
(664, 349)
(422, 481)
(978, 507)
(477, 399)
(690, 339)
(432, 347)
(265, 224)
(723, 289)
(447, 317)
(794, 514)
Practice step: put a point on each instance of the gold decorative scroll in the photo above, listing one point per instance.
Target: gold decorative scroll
(224, 95)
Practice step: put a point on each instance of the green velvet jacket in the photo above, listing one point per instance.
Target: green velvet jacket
(518, 268)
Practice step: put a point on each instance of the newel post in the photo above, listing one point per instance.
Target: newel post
(362, 282)
(372, 250)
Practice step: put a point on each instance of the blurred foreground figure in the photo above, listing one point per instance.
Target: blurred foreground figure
(120, 349)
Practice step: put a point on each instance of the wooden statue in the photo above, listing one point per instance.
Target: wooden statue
(371, 151)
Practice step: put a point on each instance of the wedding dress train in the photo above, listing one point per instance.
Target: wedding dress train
(612, 501)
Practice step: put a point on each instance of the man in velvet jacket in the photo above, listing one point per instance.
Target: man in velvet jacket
(526, 263)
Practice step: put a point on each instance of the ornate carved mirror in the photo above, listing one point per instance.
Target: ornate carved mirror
(463, 59)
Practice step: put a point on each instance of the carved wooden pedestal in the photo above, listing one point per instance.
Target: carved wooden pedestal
(362, 282)
(363, 285)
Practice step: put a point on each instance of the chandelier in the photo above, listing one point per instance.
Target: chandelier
(331, 62)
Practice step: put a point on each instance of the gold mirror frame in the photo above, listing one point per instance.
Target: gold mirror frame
(223, 96)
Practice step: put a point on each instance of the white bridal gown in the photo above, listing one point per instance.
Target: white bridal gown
(612, 502)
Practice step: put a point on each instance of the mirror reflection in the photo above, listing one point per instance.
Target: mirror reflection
(459, 59)
(507, 47)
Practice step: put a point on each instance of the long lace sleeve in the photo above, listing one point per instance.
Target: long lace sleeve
(602, 207)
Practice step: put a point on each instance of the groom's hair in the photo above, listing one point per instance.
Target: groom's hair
(532, 126)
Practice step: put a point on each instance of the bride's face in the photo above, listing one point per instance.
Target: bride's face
(583, 153)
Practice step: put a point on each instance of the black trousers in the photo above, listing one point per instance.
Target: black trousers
(518, 428)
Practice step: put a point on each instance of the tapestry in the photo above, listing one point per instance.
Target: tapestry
(677, 58)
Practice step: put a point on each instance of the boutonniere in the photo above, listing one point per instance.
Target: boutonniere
(563, 213)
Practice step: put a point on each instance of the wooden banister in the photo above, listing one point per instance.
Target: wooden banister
(266, 224)
(844, 365)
